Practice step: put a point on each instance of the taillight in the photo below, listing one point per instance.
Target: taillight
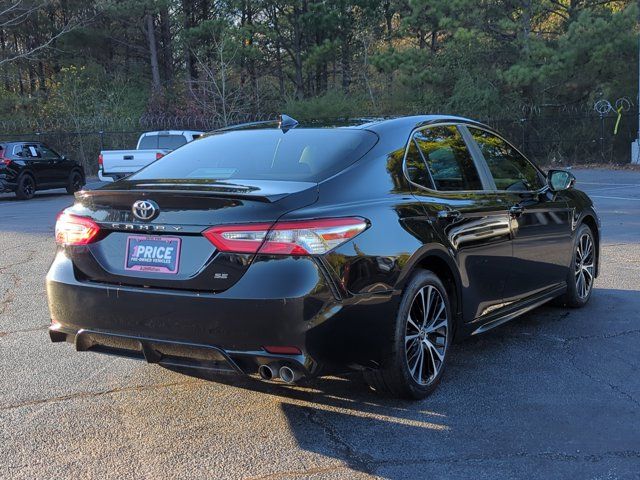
(3, 160)
(159, 155)
(304, 237)
(100, 161)
(74, 230)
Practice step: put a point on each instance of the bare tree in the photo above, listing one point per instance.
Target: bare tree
(14, 13)
(217, 92)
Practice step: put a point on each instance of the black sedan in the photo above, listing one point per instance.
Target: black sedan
(294, 252)
(26, 167)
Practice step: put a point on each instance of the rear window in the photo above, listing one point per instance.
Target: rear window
(297, 155)
(148, 142)
(162, 142)
(171, 142)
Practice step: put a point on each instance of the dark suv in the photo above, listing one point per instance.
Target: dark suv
(26, 167)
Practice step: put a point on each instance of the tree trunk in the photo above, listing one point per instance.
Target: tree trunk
(388, 37)
(190, 61)
(297, 49)
(167, 50)
(346, 65)
(153, 52)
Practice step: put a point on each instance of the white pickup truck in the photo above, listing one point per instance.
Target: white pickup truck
(116, 164)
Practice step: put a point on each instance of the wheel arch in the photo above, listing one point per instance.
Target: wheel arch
(30, 173)
(437, 259)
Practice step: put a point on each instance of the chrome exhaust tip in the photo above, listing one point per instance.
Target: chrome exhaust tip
(267, 372)
(289, 375)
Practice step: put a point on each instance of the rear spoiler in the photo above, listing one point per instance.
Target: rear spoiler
(259, 193)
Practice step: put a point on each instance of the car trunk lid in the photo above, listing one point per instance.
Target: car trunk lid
(185, 210)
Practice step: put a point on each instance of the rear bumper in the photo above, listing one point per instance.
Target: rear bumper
(170, 353)
(283, 302)
(112, 177)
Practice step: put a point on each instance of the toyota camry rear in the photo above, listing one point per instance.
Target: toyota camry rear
(295, 252)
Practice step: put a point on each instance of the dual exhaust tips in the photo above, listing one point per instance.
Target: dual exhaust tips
(285, 373)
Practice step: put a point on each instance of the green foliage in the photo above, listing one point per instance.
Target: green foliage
(233, 59)
(332, 105)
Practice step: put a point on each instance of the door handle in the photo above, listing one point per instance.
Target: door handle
(449, 214)
(516, 210)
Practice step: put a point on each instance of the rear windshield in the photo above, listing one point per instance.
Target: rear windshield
(162, 142)
(297, 155)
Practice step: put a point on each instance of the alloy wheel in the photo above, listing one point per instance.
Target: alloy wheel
(426, 335)
(28, 187)
(77, 182)
(584, 265)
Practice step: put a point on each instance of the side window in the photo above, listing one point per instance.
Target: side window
(46, 152)
(416, 168)
(148, 142)
(448, 159)
(510, 170)
(27, 151)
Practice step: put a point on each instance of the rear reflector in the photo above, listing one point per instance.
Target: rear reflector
(283, 350)
(304, 237)
(74, 230)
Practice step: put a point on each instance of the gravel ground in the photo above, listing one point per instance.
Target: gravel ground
(555, 394)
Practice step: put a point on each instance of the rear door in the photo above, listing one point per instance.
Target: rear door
(29, 153)
(58, 169)
(470, 219)
(540, 221)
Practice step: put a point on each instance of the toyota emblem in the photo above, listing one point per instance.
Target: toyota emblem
(145, 209)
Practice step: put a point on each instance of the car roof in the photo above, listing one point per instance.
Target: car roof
(375, 124)
(416, 121)
(171, 132)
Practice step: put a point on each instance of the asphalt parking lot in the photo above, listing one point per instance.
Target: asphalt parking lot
(555, 394)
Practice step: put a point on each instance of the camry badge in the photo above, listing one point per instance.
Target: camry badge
(145, 209)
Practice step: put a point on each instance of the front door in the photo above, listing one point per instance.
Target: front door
(472, 222)
(540, 221)
(59, 168)
(28, 152)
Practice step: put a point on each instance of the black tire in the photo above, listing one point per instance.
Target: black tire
(397, 377)
(26, 187)
(581, 261)
(74, 183)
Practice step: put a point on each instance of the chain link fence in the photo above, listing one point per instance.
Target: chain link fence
(550, 137)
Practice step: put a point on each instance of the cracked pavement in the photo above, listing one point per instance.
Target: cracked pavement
(555, 394)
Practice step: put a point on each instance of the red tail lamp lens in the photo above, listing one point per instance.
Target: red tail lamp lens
(75, 230)
(304, 237)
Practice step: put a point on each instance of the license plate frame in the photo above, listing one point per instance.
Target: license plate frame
(152, 259)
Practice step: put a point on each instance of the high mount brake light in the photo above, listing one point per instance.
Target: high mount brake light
(74, 230)
(303, 237)
(159, 155)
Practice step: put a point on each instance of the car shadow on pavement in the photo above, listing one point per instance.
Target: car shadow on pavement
(519, 385)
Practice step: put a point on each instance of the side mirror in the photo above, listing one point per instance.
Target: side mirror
(559, 180)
